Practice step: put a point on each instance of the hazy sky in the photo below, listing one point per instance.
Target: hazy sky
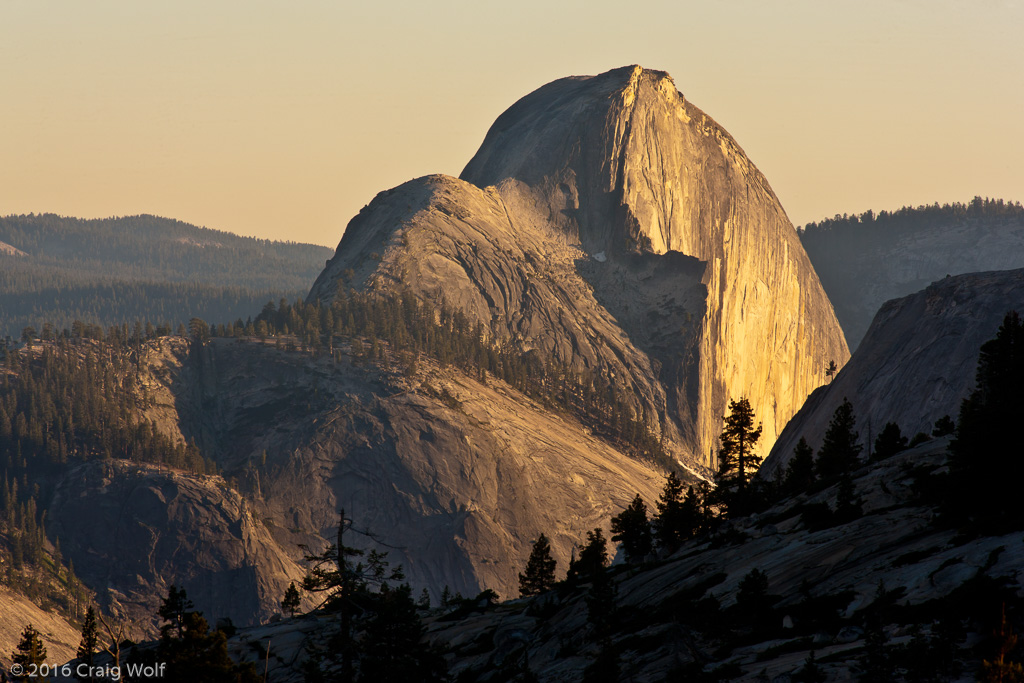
(282, 119)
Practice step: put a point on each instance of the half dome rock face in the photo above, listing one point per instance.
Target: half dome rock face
(615, 227)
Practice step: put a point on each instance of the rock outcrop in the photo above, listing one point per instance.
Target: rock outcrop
(453, 478)
(132, 530)
(916, 363)
(17, 611)
(610, 223)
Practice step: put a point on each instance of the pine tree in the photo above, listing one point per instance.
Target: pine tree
(840, 450)
(90, 642)
(800, 470)
(593, 557)
(753, 601)
(291, 600)
(675, 521)
(191, 651)
(173, 611)
(889, 441)
(31, 652)
(987, 459)
(737, 461)
(391, 644)
(346, 584)
(633, 530)
(944, 426)
(875, 664)
(540, 569)
(848, 503)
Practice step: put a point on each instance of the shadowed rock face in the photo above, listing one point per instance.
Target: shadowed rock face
(132, 530)
(615, 226)
(916, 363)
(454, 490)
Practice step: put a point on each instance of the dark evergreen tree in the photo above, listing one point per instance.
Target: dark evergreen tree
(201, 655)
(291, 600)
(987, 455)
(31, 652)
(593, 557)
(540, 569)
(800, 470)
(753, 603)
(944, 426)
(874, 663)
(678, 517)
(348, 585)
(889, 441)
(392, 644)
(90, 643)
(737, 460)
(839, 451)
(632, 528)
(848, 503)
(173, 611)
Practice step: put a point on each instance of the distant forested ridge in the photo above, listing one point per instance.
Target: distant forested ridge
(840, 229)
(116, 270)
(863, 260)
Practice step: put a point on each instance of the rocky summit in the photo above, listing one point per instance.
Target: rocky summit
(613, 226)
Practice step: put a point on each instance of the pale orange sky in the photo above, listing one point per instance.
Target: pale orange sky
(282, 119)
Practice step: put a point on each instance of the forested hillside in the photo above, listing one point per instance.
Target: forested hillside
(116, 270)
(865, 260)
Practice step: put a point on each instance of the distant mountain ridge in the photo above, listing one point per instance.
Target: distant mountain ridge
(114, 270)
(867, 259)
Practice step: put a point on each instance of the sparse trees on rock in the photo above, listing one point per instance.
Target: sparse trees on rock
(540, 569)
(632, 528)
